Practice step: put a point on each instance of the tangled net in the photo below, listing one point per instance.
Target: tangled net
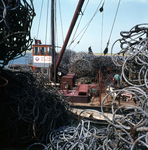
(15, 25)
(29, 108)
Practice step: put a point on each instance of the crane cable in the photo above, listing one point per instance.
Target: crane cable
(102, 31)
(87, 25)
(61, 20)
(46, 28)
(46, 22)
(40, 18)
(78, 25)
(101, 10)
(106, 49)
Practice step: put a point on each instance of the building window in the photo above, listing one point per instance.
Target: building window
(43, 50)
(36, 50)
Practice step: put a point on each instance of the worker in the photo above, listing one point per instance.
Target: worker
(90, 50)
(42, 50)
(116, 79)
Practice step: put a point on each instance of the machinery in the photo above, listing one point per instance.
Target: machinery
(79, 95)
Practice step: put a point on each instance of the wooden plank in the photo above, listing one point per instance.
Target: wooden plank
(92, 114)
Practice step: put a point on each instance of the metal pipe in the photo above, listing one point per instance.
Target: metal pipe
(76, 14)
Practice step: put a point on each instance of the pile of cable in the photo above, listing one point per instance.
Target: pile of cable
(133, 55)
(127, 128)
(129, 123)
(78, 63)
(68, 55)
(104, 62)
(82, 56)
(29, 108)
(81, 64)
(83, 136)
(15, 29)
(86, 65)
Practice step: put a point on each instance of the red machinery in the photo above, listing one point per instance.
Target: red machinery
(80, 95)
(68, 79)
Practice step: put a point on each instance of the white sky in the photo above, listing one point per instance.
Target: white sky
(130, 13)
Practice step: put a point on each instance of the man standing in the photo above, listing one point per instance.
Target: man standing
(90, 50)
(116, 79)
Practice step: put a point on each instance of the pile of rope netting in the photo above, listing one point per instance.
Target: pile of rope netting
(15, 25)
(29, 108)
(128, 127)
(86, 65)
